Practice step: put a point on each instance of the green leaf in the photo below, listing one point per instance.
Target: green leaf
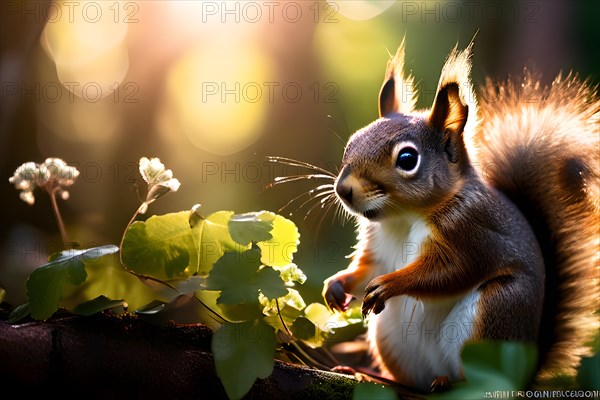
(319, 315)
(372, 391)
(243, 352)
(269, 283)
(2, 294)
(212, 239)
(18, 313)
(152, 308)
(497, 365)
(279, 250)
(107, 278)
(588, 374)
(162, 246)
(303, 329)
(239, 312)
(48, 283)
(250, 227)
(290, 308)
(96, 305)
(239, 278)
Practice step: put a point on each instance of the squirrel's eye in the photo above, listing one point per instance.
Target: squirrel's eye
(408, 159)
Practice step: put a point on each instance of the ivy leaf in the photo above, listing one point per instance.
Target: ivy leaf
(18, 313)
(290, 308)
(243, 352)
(107, 278)
(48, 283)
(239, 278)
(498, 365)
(250, 227)
(212, 239)
(269, 283)
(279, 250)
(151, 308)
(161, 247)
(96, 305)
(373, 391)
(319, 315)
(303, 329)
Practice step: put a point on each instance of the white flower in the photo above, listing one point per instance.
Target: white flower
(53, 176)
(160, 180)
(291, 273)
(58, 170)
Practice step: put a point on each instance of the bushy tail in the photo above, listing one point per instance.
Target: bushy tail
(541, 147)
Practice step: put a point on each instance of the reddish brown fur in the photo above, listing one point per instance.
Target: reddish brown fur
(515, 168)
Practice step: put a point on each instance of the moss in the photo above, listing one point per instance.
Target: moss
(329, 388)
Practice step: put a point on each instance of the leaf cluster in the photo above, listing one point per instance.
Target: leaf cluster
(238, 266)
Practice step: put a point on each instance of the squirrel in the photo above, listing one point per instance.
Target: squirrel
(475, 221)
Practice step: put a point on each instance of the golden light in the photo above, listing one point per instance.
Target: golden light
(218, 95)
(86, 41)
(346, 44)
(360, 10)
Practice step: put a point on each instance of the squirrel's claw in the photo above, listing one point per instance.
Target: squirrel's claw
(335, 296)
(377, 294)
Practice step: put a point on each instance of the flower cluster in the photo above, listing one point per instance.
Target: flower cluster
(53, 176)
(160, 180)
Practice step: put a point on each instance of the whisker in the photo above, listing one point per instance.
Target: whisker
(336, 124)
(307, 193)
(297, 163)
(324, 193)
(328, 203)
(292, 178)
(323, 196)
(338, 136)
(339, 212)
(331, 203)
(343, 214)
(317, 204)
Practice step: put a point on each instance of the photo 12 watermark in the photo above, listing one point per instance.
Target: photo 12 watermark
(55, 92)
(72, 11)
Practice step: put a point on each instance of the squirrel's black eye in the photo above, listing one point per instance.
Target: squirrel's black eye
(408, 158)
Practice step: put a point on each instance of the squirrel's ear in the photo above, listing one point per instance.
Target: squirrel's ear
(449, 113)
(454, 102)
(397, 93)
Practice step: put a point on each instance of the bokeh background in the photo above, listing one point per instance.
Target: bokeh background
(212, 88)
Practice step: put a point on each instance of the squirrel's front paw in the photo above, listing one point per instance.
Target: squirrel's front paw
(378, 291)
(335, 295)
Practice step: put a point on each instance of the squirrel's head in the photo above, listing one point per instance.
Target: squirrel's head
(410, 161)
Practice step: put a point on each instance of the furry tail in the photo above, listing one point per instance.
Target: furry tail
(541, 147)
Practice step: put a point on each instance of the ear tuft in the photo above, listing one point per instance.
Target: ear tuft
(454, 111)
(397, 93)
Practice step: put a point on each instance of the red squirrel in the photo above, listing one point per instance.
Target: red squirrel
(475, 221)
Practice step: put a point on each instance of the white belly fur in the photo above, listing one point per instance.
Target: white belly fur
(412, 340)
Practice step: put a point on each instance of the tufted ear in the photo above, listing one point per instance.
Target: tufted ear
(454, 102)
(449, 113)
(397, 94)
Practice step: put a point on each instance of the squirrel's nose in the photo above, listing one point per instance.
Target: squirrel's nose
(344, 190)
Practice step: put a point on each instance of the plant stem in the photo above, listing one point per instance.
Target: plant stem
(135, 214)
(59, 220)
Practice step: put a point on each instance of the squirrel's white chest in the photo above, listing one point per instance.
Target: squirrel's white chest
(417, 340)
